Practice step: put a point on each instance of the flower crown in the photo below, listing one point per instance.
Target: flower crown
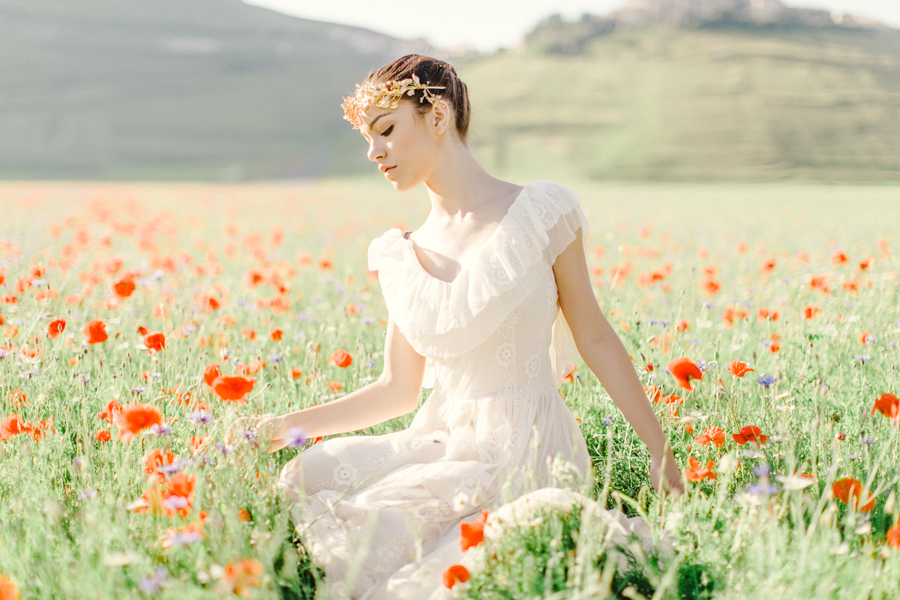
(386, 95)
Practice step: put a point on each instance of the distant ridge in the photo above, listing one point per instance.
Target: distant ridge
(195, 89)
(558, 36)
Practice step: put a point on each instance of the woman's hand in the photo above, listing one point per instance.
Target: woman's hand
(266, 427)
(665, 475)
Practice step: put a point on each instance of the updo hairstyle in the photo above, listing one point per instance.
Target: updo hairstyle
(430, 71)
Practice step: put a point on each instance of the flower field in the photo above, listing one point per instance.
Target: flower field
(138, 321)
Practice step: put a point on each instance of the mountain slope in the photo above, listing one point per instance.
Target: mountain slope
(204, 89)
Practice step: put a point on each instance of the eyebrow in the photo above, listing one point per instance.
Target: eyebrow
(375, 120)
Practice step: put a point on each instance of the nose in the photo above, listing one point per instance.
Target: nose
(376, 150)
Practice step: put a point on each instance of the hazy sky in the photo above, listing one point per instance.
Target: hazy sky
(490, 24)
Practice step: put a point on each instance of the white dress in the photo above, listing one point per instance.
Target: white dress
(381, 514)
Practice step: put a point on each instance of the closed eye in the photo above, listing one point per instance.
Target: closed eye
(387, 131)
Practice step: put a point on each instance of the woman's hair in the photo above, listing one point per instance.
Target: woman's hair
(430, 71)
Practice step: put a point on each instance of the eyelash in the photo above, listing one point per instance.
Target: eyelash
(388, 131)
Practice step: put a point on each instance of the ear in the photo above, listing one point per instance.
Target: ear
(441, 117)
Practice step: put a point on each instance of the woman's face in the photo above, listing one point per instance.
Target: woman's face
(401, 142)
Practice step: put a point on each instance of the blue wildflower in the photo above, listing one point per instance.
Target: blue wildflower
(766, 380)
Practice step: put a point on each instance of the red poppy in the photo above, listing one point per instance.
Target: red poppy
(820, 283)
(839, 258)
(472, 534)
(711, 287)
(17, 398)
(181, 484)
(684, 369)
(865, 338)
(110, 411)
(123, 288)
(210, 373)
(157, 458)
(570, 377)
(154, 342)
(697, 472)
(134, 418)
(103, 435)
(8, 589)
(811, 312)
(243, 574)
(335, 386)
(11, 426)
(888, 405)
(739, 368)
(95, 331)
(340, 358)
(849, 491)
(55, 328)
(296, 373)
(766, 314)
(198, 442)
(232, 387)
(750, 433)
(275, 335)
(249, 333)
(893, 536)
(711, 435)
(455, 574)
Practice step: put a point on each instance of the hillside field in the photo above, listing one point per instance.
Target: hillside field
(115, 299)
(696, 104)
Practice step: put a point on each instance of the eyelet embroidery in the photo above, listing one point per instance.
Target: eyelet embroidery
(532, 366)
(344, 474)
(506, 353)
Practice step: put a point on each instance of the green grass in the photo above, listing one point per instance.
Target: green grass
(67, 529)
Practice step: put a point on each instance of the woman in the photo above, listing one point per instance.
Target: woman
(474, 298)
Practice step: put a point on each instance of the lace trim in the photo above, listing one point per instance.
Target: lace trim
(444, 319)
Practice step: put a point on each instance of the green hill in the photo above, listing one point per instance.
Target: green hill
(175, 89)
(708, 103)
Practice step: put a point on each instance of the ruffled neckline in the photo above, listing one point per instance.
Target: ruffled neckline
(446, 318)
(410, 250)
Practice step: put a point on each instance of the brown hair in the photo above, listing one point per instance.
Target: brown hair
(430, 71)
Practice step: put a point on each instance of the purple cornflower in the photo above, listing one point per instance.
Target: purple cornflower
(862, 358)
(766, 380)
(296, 437)
(174, 467)
(224, 448)
(153, 583)
(160, 430)
(176, 502)
(758, 489)
(184, 538)
(761, 470)
(199, 417)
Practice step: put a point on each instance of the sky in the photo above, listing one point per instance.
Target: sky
(490, 24)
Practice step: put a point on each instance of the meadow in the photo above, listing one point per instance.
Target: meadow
(116, 300)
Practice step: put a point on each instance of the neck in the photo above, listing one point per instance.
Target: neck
(458, 183)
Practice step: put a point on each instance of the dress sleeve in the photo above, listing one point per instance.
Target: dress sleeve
(572, 217)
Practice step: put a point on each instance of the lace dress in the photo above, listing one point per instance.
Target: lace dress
(381, 514)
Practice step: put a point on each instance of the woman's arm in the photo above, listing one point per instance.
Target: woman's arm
(395, 393)
(604, 354)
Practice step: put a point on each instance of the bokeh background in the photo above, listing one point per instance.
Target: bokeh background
(666, 90)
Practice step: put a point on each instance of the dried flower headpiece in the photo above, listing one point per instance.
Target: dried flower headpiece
(386, 95)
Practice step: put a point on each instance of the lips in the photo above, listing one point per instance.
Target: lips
(384, 169)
